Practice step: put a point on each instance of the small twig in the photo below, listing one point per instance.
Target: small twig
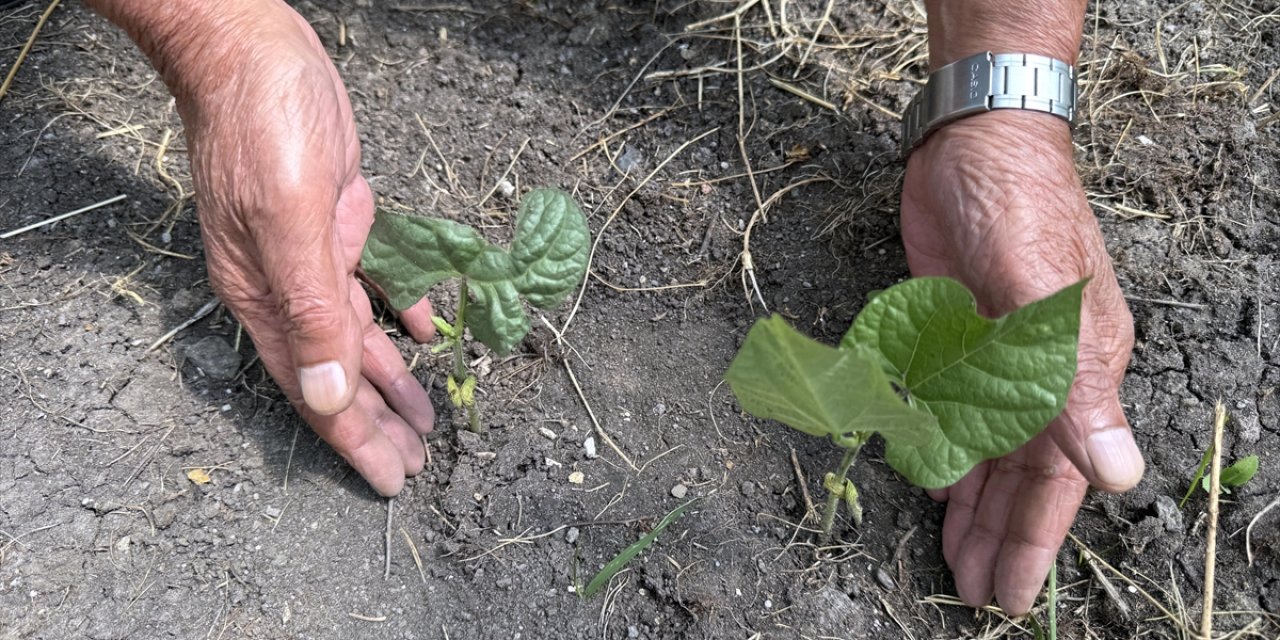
(801, 93)
(199, 315)
(359, 616)
(1167, 303)
(1248, 532)
(26, 49)
(599, 429)
(813, 42)
(736, 14)
(386, 562)
(809, 510)
(9, 234)
(289, 461)
(1109, 588)
(1053, 600)
(524, 145)
(1211, 539)
(1092, 556)
(413, 551)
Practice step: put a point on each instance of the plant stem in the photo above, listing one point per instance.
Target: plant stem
(459, 325)
(459, 360)
(833, 498)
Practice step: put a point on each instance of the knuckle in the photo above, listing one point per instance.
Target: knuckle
(309, 313)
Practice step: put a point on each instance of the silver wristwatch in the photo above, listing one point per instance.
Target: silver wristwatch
(989, 81)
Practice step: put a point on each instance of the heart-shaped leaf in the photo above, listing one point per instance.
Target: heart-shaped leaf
(783, 375)
(406, 255)
(992, 384)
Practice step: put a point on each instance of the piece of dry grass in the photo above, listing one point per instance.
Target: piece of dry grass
(26, 48)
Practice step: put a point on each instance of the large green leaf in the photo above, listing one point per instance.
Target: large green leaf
(550, 248)
(407, 255)
(992, 384)
(783, 375)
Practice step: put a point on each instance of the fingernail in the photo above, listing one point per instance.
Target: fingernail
(324, 387)
(1115, 458)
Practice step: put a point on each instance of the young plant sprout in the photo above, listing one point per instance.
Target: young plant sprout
(945, 387)
(407, 255)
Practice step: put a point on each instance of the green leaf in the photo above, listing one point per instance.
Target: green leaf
(783, 375)
(619, 561)
(550, 248)
(1234, 476)
(406, 255)
(496, 317)
(992, 384)
(1239, 473)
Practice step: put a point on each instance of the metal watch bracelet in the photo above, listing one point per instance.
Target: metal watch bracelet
(989, 81)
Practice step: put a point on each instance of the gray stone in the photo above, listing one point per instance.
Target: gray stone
(1169, 514)
(572, 535)
(214, 357)
(679, 491)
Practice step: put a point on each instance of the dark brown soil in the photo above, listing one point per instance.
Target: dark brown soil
(102, 534)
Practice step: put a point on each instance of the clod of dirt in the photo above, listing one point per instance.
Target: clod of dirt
(214, 357)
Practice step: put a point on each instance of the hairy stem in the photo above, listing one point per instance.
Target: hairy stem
(459, 360)
(833, 498)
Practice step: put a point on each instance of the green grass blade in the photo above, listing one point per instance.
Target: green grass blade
(619, 561)
(1195, 480)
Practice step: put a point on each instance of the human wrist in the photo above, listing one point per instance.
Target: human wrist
(960, 28)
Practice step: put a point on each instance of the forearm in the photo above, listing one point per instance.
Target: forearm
(196, 45)
(959, 28)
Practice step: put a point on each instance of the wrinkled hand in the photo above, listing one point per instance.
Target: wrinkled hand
(994, 201)
(285, 212)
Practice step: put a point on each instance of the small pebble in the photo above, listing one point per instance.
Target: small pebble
(885, 580)
(547, 433)
(572, 536)
(679, 491)
(633, 632)
(577, 477)
(589, 445)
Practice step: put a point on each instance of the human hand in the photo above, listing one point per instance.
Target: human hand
(994, 201)
(284, 213)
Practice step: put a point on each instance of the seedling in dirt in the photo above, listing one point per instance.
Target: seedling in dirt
(1232, 477)
(627, 555)
(407, 255)
(945, 387)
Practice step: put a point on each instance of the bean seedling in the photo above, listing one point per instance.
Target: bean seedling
(945, 387)
(407, 255)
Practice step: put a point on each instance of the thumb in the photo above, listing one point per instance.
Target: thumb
(311, 289)
(1093, 430)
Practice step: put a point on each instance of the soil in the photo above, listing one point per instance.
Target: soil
(103, 534)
